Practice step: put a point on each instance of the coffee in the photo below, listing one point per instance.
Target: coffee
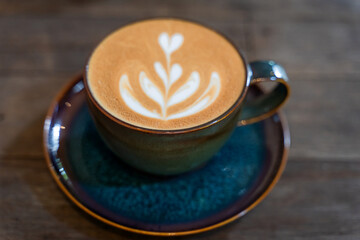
(166, 74)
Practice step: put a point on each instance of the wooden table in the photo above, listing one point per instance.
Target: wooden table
(44, 43)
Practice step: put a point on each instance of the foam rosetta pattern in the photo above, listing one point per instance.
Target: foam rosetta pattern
(169, 74)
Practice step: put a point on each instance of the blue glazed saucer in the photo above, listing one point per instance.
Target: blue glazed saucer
(92, 177)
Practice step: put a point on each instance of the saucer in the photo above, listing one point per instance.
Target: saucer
(234, 181)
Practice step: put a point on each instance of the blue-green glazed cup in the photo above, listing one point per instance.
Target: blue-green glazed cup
(171, 152)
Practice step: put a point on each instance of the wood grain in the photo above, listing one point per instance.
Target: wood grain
(323, 113)
(44, 43)
(329, 48)
(310, 197)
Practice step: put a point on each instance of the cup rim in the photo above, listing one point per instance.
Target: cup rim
(210, 123)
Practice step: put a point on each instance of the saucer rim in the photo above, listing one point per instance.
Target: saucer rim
(63, 188)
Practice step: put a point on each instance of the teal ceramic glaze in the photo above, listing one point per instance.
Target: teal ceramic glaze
(171, 152)
(235, 180)
(163, 153)
(164, 200)
(177, 151)
(266, 104)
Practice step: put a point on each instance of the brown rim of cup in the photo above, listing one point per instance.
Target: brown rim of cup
(223, 116)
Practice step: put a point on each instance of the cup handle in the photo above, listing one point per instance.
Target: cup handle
(268, 103)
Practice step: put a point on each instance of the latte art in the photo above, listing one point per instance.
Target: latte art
(169, 76)
(165, 74)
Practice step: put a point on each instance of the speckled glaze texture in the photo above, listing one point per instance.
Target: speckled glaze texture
(174, 152)
(164, 200)
(236, 179)
(164, 154)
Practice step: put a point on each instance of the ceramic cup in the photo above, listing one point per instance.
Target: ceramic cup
(170, 152)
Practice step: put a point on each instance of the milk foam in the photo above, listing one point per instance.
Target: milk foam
(169, 76)
(165, 74)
